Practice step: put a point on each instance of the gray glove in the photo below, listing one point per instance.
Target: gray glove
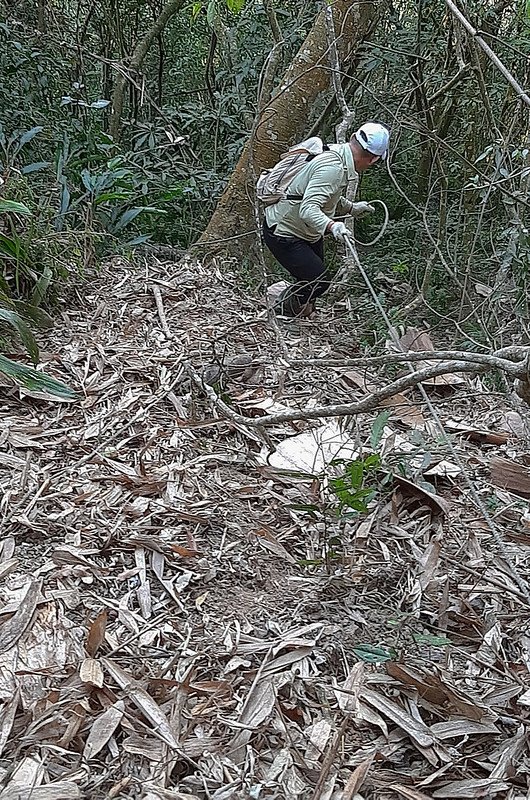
(361, 208)
(340, 231)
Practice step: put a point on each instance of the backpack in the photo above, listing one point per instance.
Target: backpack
(272, 184)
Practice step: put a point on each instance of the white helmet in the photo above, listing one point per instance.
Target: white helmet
(374, 137)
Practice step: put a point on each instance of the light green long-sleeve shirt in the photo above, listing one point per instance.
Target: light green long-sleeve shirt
(321, 184)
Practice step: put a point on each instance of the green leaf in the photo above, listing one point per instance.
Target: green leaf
(235, 6)
(41, 287)
(17, 208)
(373, 655)
(28, 136)
(195, 10)
(22, 328)
(37, 315)
(429, 638)
(372, 461)
(132, 213)
(35, 381)
(211, 10)
(377, 428)
(29, 168)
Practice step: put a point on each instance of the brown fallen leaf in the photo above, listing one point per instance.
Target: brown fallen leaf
(434, 501)
(96, 634)
(185, 552)
(269, 542)
(103, 728)
(14, 628)
(403, 409)
(411, 677)
(477, 434)
(510, 475)
(357, 778)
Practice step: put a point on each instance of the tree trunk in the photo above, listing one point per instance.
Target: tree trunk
(232, 228)
(136, 60)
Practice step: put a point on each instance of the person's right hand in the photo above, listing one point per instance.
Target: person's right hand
(340, 231)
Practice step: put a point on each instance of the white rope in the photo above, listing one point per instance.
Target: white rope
(383, 227)
(523, 586)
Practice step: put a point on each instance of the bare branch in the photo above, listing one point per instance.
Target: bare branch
(505, 72)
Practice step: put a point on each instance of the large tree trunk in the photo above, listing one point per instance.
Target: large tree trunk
(232, 228)
(136, 60)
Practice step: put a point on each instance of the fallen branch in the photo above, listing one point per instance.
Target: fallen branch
(518, 369)
(343, 409)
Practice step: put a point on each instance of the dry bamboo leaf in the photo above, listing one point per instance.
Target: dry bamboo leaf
(91, 672)
(408, 793)
(14, 628)
(524, 699)
(357, 778)
(258, 705)
(103, 728)
(168, 794)
(462, 727)
(282, 662)
(410, 677)
(27, 776)
(269, 542)
(509, 754)
(68, 554)
(144, 702)
(318, 735)
(7, 717)
(418, 731)
(348, 699)
(61, 790)
(96, 634)
(7, 567)
(481, 787)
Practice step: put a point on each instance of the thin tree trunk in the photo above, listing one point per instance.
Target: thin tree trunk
(136, 60)
(232, 228)
(41, 16)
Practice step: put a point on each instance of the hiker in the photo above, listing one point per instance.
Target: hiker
(295, 225)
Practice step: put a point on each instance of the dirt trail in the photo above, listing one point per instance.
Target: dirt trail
(180, 615)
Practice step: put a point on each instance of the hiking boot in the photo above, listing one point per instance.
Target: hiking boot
(289, 305)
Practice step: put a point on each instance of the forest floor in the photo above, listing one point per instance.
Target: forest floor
(186, 613)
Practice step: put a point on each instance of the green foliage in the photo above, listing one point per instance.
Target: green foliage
(350, 488)
(35, 381)
(374, 655)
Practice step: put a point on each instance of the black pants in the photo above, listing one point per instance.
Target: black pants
(304, 260)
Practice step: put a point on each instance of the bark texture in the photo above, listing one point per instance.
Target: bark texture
(232, 228)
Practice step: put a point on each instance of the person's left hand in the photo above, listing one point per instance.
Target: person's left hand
(361, 208)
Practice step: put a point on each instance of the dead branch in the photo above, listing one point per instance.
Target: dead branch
(505, 72)
(344, 409)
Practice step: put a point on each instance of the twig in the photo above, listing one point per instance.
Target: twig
(329, 759)
(505, 72)
(518, 369)
(161, 313)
